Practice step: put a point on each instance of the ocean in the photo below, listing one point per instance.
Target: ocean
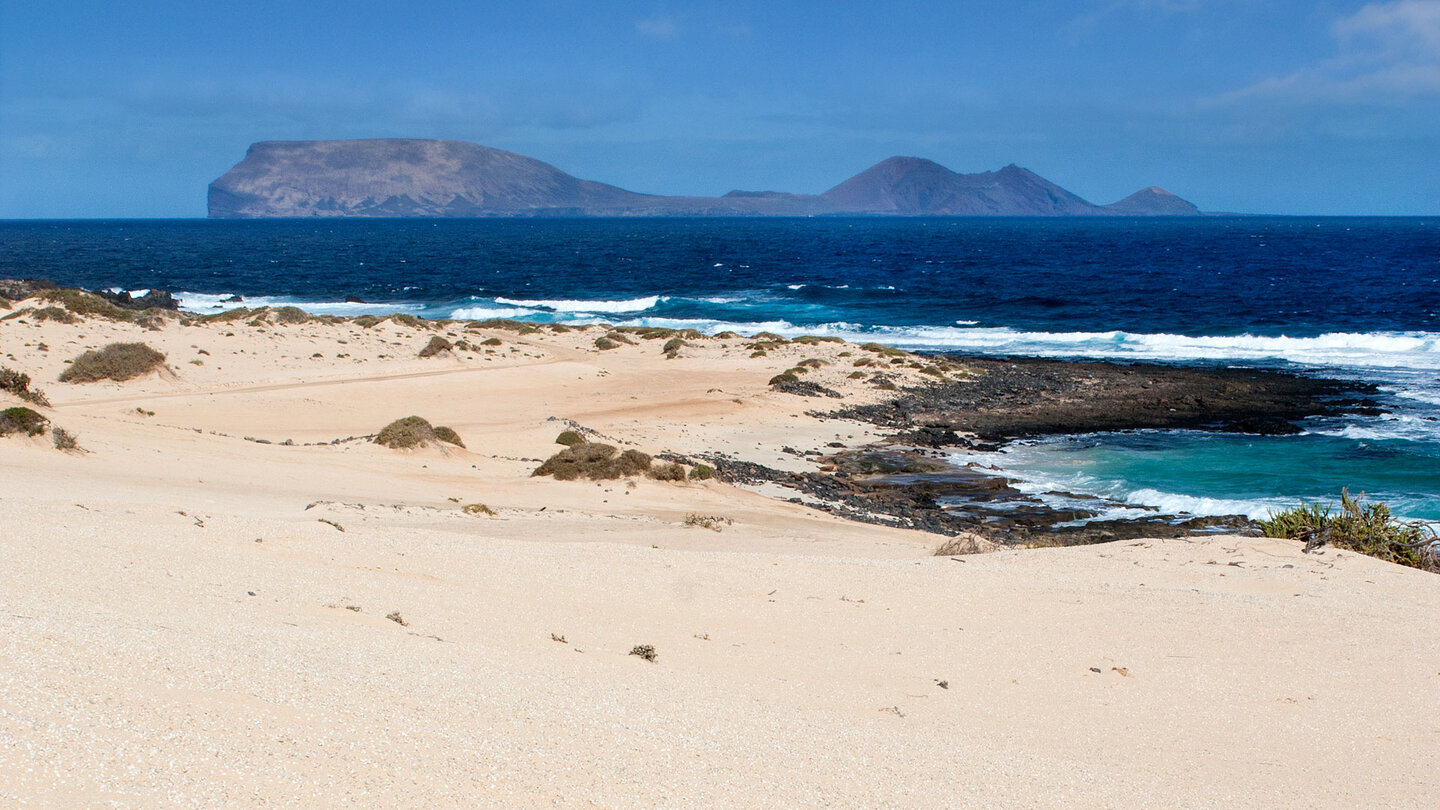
(1353, 298)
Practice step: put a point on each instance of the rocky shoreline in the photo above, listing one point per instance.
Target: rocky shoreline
(912, 482)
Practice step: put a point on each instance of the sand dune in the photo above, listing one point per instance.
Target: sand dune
(193, 612)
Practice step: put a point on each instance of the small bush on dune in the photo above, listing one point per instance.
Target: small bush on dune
(667, 471)
(64, 440)
(477, 509)
(784, 377)
(408, 320)
(21, 420)
(1365, 528)
(436, 345)
(117, 361)
(84, 303)
(290, 315)
(366, 321)
(815, 340)
(412, 431)
(605, 344)
(597, 462)
(57, 314)
(702, 472)
(18, 384)
(448, 435)
(569, 438)
(673, 346)
(491, 341)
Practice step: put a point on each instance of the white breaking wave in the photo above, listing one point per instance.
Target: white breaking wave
(206, 303)
(486, 313)
(1176, 504)
(570, 305)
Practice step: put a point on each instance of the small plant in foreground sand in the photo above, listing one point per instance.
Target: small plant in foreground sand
(64, 440)
(646, 651)
(712, 522)
(395, 616)
(436, 345)
(18, 383)
(477, 509)
(1365, 528)
(21, 419)
(117, 361)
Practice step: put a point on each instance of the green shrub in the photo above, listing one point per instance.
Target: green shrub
(769, 336)
(57, 314)
(598, 462)
(604, 343)
(569, 438)
(667, 471)
(366, 321)
(886, 351)
(412, 431)
(1365, 528)
(21, 419)
(436, 345)
(784, 377)
(673, 346)
(560, 328)
(18, 384)
(726, 335)
(290, 315)
(448, 435)
(491, 341)
(228, 316)
(702, 472)
(64, 440)
(814, 340)
(408, 320)
(84, 303)
(117, 361)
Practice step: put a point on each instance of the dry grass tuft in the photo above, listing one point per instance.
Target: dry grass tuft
(667, 471)
(436, 345)
(21, 419)
(18, 384)
(646, 651)
(477, 509)
(117, 361)
(597, 462)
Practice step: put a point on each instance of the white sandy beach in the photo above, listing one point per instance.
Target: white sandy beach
(180, 628)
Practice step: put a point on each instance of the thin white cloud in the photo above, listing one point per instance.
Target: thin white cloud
(658, 27)
(1385, 53)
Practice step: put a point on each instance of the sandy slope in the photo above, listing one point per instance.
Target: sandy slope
(179, 628)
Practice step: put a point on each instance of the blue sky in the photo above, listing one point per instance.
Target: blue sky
(129, 109)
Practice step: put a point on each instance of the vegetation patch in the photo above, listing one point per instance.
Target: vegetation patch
(290, 315)
(604, 343)
(88, 304)
(1365, 528)
(477, 509)
(448, 435)
(883, 350)
(18, 384)
(712, 522)
(569, 438)
(21, 419)
(57, 314)
(402, 434)
(702, 472)
(229, 315)
(667, 471)
(646, 651)
(117, 361)
(815, 340)
(436, 345)
(597, 462)
(673, 346)
(366, 321)
(409, 320)
(64, 440)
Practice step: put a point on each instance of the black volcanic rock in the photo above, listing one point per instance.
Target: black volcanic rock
(429, 178)
(1154, 202)
(916, 186)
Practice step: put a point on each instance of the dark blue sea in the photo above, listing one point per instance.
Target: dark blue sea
(1345, 297)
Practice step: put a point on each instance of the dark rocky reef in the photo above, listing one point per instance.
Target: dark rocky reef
(400, 177)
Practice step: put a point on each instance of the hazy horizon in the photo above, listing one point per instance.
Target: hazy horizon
(1305, 108)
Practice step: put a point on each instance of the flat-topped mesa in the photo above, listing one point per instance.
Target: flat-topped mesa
(406, 177)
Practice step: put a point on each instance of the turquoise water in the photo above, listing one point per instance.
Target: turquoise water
(1200, 473)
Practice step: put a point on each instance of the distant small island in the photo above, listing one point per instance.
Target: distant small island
(400, 177)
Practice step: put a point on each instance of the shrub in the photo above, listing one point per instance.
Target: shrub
(712, 522)
(290, 315)
(436, 345)
(673, 345)
(667, 471)
(598, 462)
(620, 337)
(84, 303)
(604, 343)
(491, 341)
(64, 440)
(21, 419)
(397, 618)
(813, 362)
(366, 321)
(702, 472)
(814, 340)
(569, 438)
(477, 509)
(886, 351)
(448, 435)
(646, 651)
(117, 361)
(560, 328)
(770, 336)
(56, 314)
(1365, 528)
(408, 320)
(18, 384)
(229, 315)
(784, 377)
(856, 375)
(412, 431)
(726, 335)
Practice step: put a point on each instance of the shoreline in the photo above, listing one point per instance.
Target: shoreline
(229, 596)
